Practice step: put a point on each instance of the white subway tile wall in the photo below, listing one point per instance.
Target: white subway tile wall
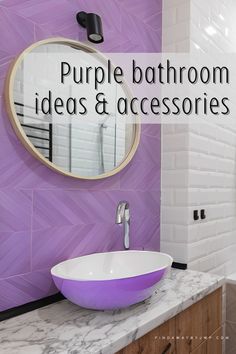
(199, 160)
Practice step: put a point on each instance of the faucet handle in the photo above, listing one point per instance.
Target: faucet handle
(122, 208)
(123, 217)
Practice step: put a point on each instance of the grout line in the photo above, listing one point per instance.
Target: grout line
(26, 273)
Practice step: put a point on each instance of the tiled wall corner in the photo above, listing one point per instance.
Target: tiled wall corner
(174, 192)
(175, 144)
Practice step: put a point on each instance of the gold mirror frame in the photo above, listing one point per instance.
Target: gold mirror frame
(10, 107)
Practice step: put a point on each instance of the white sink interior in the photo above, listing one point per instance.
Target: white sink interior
(112, 265)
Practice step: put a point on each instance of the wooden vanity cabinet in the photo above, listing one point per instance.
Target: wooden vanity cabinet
(196, 330)
(199, 322)
(201, 349)
(159, 340)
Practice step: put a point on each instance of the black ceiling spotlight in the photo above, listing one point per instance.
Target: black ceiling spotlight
(93, 23)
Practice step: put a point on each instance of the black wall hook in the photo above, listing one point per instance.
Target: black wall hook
(195, 215)
(202, 213)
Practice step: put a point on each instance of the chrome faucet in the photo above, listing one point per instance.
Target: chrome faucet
(123, 217)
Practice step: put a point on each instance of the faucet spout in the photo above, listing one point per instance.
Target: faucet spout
(123, 217)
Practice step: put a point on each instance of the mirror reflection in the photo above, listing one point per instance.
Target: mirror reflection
(86, 149)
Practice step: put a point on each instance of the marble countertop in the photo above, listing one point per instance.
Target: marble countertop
(66, 328)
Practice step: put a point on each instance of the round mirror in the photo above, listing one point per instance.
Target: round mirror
(90, 149)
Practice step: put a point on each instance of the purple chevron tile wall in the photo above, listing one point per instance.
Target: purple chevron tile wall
(45, 217)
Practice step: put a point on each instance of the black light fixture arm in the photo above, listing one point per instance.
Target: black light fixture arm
(81, 18)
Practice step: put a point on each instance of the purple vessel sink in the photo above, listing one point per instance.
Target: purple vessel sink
(113, 280)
